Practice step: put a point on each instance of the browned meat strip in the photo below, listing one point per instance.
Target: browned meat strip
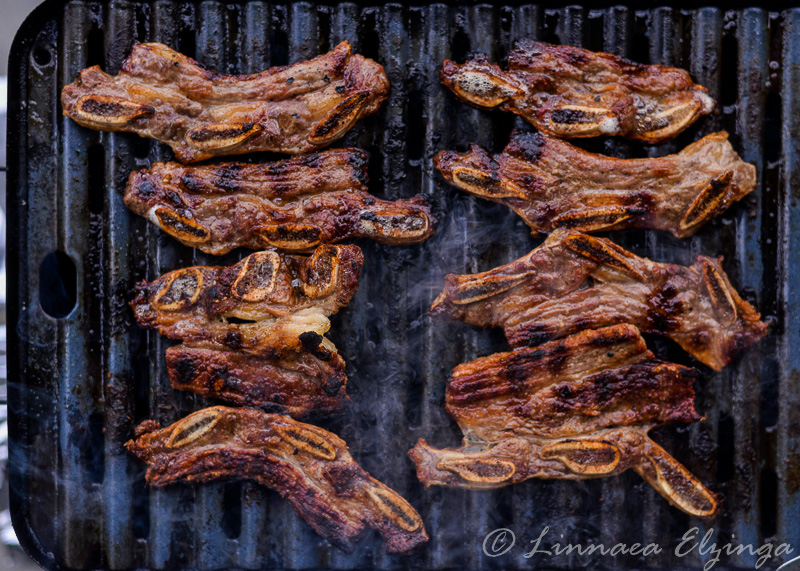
(575, 408)
(574, 281)
(268, 305)
(169, 97)
(297, 385)
(566, 91)
(307, 465)
(294, 204)
(552, 184)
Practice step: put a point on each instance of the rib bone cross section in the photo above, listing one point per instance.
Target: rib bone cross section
(254, 333)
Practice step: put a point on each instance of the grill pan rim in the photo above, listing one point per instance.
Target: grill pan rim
(16, 155)
(19, 66)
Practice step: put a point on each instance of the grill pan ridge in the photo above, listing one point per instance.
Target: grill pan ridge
(80, 383)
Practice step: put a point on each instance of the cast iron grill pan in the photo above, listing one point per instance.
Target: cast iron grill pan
(82, 376)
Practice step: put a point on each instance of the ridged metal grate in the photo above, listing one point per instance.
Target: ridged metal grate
(81, 382)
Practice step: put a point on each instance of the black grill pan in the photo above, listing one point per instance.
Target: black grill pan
(81, 376)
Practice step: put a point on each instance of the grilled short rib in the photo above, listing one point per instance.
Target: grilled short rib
(268, 304)
(567, 91)
(553, 184)
(574, 281)
(297, 385)
(167, 96)
(575, 408)
(294, 204)
(253, 333)
(307, 465)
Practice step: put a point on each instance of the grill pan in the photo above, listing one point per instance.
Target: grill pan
(81, 376)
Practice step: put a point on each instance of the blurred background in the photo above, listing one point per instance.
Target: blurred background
(13, 13)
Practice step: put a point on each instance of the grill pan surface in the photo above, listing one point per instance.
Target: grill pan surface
(81, 376)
